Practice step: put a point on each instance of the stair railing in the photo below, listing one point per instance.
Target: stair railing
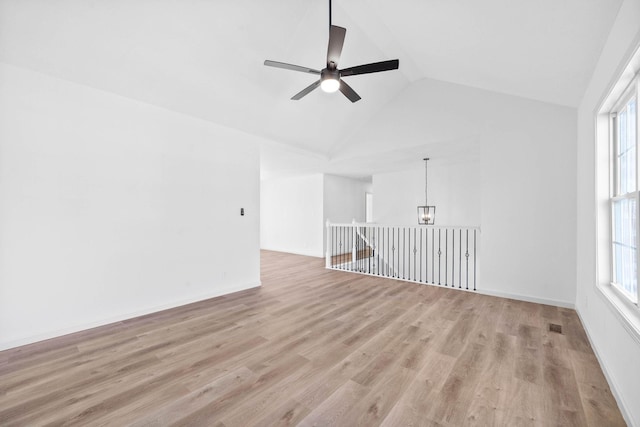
(437, 255)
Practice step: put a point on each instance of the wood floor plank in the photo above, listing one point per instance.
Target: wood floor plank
(491, 395)
(457, 392)
(332, 411)
(172, 412)
(317, 347)
(407, 416)
(373, 408)
(288, 414)
(526, 406)
(233, 398)
(574, 332)
(562, 396)
(422, 393)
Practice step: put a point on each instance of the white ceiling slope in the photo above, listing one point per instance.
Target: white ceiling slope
(205, 58)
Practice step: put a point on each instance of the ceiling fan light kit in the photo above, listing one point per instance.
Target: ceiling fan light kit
(330, 81)
(331, 77)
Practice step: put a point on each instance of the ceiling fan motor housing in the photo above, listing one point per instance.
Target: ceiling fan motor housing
(330, 74)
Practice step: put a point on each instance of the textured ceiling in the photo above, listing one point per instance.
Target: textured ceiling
(204, 58)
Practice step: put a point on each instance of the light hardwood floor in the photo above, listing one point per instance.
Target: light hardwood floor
(317, 347)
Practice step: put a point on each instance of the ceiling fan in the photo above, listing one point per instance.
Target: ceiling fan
(331, 77)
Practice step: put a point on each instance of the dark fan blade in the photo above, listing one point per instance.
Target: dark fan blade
(291, 67)
(348, 92)
(306, 90)
(336, 40)
(375, 67)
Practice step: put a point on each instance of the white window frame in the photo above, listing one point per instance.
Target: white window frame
(629, 93)
(632, 91)
(618, 302)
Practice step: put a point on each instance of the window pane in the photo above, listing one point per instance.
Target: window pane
(633, 121)
(625, 268)
(626, 148)
(633, 147)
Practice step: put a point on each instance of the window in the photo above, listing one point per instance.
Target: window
(625, 194)
(617, 197)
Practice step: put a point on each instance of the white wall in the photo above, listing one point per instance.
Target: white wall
(294, 210)
(344, 198)
(502, 162)
(616, 348)
(291, 214)
(454, 188)
(528, 203)
(110, 208)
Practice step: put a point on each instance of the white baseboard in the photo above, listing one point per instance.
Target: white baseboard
(84, 326)
(304, 253)
(528, 298)
(612, 385)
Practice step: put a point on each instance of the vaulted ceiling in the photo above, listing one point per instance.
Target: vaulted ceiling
(205, 58)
